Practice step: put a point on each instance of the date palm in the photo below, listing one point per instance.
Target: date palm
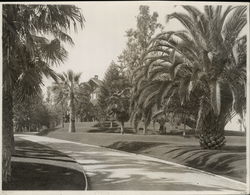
(28, 55)
(203, 68)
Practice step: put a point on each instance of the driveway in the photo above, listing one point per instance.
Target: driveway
(109, 169)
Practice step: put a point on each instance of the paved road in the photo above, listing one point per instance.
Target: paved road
(37, 167)
(109, 169)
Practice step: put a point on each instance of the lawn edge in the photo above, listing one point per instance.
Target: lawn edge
(86, 188)
(159, 160)
(152, 158)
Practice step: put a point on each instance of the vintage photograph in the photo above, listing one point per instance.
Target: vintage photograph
(125, 96)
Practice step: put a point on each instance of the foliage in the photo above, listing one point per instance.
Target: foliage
(31, 114)
(85, 110)
(28, 54)
(113, 98)
(138, 39)
(192, 71)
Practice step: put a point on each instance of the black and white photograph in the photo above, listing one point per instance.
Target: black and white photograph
(125, 97)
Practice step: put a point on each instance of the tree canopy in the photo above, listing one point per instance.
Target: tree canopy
(197, 66)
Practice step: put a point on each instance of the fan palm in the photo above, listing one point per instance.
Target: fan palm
(67, 89)
(28, 54)
(202, 67)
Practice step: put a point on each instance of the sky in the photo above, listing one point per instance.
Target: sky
(103, 37)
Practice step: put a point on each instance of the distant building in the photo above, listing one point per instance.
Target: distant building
(95, 83)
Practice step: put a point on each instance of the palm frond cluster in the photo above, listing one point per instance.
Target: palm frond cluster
(199, 72)
(33, 36)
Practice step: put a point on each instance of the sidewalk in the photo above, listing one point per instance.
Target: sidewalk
(38, 167)
(109, 169)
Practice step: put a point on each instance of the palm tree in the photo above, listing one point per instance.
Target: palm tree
(196, 69)
(67, 89)
(28, 54)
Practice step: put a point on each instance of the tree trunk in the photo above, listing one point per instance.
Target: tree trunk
(62, 116)
(162, 130)
(184, 130)
(243, 122)
(72, 127)
(8, 138)
(122, 127)
(145, 129)
(63, 121)
(212, 132)
(111, 124)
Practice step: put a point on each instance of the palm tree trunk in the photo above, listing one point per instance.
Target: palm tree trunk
(212, 132)
(72, 127)
(8, 138)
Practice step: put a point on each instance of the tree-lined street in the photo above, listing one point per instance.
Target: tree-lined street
(171, 90)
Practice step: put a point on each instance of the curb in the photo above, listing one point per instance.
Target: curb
(161, 161)
(148, 157)
(83, 171)
(176, 164)
(86, 179)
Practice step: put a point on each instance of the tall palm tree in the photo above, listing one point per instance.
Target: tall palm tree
(68, 89)
(28, 54)
(199, 68)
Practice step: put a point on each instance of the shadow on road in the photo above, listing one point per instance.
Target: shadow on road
(38, 167)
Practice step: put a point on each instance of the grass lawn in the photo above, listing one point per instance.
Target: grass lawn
(37, 167)
(229, 162)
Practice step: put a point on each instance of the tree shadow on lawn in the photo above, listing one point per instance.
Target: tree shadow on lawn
(38, 167)
(137, 174)
(133, 146)
(230, 161)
